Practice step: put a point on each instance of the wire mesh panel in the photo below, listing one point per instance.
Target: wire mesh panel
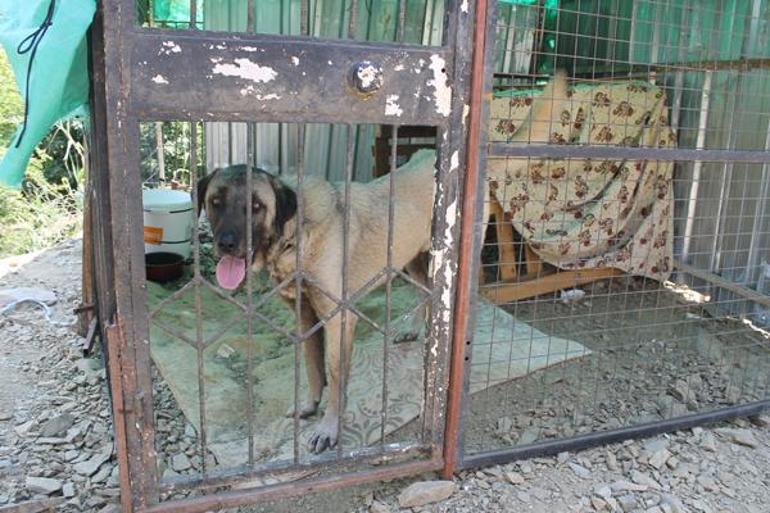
(244, 364)
(621, 285)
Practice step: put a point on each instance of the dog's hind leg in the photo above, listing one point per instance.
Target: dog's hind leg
(339, 352)
(418, 271)
(313, 347)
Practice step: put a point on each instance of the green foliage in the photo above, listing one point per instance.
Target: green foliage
(11, 104)
(176, 136)
(41, 214)
(48, 208)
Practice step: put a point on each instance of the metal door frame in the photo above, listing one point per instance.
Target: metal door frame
(130, 67)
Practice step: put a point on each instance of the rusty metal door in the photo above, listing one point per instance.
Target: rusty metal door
(145, 74)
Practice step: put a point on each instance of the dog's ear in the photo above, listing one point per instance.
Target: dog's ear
(285, 205)
(203, 185)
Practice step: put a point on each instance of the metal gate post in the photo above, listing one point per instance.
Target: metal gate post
(466, 260)
(120, 254)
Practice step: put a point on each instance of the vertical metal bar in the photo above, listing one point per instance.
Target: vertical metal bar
(250, 302)
(657, 27)
(632, 32)
(389, 282)
(465, 276)
(298, 284)
(251, 160)
(509, 49)
(251, 16)
(197, 279)
(159, 151)
(352, 20)
(344, 312)
(483, 199)
(745, 195)
(98, 159)
(304, 11)
(401, 21)
(679, 75)
(752, 261)
(193, 15)
(427, 26)
(727, 168)
(116, 344)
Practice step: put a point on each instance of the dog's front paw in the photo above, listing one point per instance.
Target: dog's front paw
(409, 336)
(306, 409)
(324, 436)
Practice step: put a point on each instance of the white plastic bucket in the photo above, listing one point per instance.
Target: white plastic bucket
(168, 220)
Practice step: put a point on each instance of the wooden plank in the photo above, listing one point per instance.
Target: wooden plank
(533, 262)
(500, 293)
(506, 254)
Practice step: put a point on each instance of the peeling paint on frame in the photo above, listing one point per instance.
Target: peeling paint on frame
(169, 47)
(442, 95)
(392, 108)
(246, 69)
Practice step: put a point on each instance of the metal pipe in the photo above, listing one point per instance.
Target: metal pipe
(752, 260)
(697, 167)
(719, 282)
(464, 274)
(624, 153)
(588, 440)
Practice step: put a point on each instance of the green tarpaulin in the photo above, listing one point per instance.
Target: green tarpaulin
(52, 35)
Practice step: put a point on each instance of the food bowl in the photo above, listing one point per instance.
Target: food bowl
(162, 267)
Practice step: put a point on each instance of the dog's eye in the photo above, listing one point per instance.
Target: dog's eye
(215, 202)
(255, 206)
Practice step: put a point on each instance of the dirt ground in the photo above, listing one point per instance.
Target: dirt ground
(654, 356)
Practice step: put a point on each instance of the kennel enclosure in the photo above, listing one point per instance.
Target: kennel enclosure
(542, 335)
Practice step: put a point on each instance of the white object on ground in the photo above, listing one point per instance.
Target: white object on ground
(568, 296)
(11, 298)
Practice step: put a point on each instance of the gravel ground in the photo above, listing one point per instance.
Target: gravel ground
(55, 440)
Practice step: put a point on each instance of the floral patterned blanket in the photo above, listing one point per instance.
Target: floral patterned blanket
(577, 213)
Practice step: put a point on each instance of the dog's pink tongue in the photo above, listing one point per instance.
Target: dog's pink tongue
(230, 272)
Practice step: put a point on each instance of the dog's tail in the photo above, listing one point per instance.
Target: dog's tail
(545, 112)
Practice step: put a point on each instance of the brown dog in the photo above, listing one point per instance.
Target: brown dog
(276, 237)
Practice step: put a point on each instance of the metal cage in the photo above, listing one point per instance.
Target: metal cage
(594, 346)
(633, 301)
